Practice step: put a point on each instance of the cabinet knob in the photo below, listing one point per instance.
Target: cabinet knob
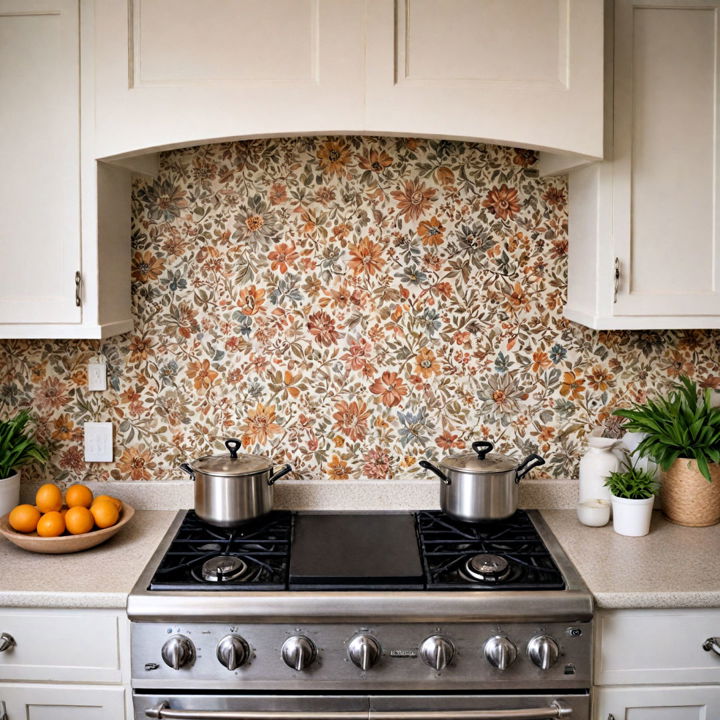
(712, 643)
(7, 641)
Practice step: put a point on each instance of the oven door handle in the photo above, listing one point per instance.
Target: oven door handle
(557, 709)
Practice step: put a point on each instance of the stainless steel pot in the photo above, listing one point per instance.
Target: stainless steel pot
(232, 490)
(481, 485)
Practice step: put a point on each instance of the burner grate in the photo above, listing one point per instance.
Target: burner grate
(448, 545)
(263, 545)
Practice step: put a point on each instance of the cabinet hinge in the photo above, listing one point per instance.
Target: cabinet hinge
(616, 275)
(78, 288)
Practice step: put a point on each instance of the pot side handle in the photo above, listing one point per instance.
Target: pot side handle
(186, 468)
(276, 476)
(429, 466)
(528, 464)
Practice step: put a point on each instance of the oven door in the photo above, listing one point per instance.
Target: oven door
(212, 706)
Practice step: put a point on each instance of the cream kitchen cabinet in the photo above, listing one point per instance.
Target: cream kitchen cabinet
(644, 225)
(179, 72)
(63, 702)
(64, 219)
(65, 664)
(651, 665)
(513, 72)
(657, 703)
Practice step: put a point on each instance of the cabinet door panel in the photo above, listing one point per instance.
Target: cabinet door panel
(637, 647)
(518, 71)
(657, 703)
(63, 702)
(62, 645)
(182, 72)
(40, 161)
(666, 216)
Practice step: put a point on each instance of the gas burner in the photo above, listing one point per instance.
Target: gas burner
(223, 568)
(487, 568)
(504, 555)
(254, 556)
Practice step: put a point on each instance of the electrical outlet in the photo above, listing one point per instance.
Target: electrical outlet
(97, 375)
(98, 442)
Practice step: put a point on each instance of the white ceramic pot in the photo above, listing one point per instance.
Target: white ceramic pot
(9, 493)
(632, 517)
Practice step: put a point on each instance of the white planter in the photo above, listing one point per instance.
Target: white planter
(9, 493)
(632, 517)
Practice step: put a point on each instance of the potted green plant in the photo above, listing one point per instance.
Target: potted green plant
(17, 448)
(682, 435)
(632, 494)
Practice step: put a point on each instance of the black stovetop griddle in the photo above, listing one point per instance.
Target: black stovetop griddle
(350, 551)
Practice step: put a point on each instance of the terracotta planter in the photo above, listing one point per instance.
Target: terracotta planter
(687, 497)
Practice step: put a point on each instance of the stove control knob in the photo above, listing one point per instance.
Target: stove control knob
(543, 651)
(500, 652)
(232, 652)
(299, 652)
(437, 652)
(364, 651)
(178, 651)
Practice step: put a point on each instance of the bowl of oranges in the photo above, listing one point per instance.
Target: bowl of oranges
(67, 523)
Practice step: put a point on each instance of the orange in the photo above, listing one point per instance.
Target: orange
(79, 520)
(78, 495)
(51, 524)
(117, 503)
(105, 513)
(24, 518)
(48, 498)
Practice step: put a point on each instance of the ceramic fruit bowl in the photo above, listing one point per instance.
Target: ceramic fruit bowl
(64, 543)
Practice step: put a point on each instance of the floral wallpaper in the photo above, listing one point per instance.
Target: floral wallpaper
(350, 305)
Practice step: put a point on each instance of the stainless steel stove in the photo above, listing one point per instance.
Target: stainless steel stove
(392, 616)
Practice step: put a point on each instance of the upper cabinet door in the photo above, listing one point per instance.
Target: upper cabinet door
(39, 161)
(526, 72)
(667, 155)
(179, 72)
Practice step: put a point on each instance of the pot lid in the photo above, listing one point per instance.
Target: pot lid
(232, 464)
(481, 460)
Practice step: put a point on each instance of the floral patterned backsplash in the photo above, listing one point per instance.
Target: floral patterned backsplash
(350, 305)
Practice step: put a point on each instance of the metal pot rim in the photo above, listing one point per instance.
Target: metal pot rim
(468, 471)
(258, 465)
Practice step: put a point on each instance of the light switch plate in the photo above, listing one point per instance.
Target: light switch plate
(97, 375)
(98, 442)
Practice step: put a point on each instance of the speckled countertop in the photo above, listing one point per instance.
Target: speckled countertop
(101, 577)
(671, 567)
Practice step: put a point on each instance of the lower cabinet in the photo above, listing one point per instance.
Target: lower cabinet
(32, 701)
(657, 703)
(652, 665)
(65, 664)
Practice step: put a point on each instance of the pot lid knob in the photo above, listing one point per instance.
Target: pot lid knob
(482, 448)
(233, 445)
